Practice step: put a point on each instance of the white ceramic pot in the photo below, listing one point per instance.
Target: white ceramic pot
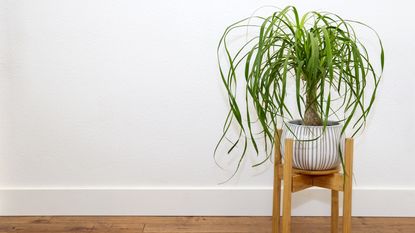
(313, 149)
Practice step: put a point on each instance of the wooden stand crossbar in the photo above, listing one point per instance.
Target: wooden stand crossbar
(296, 180)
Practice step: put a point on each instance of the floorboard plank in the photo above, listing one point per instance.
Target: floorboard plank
(139, 224)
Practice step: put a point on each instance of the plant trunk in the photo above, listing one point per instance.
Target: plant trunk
(312, 115)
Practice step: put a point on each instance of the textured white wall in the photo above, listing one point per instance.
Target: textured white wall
(126, 94)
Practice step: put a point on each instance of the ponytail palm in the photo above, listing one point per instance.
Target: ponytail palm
(318, 55)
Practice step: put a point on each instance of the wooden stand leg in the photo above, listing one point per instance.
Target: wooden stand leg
(347, 199)
(334, 211)
(277, 185)
(287, 174)
(276, 207)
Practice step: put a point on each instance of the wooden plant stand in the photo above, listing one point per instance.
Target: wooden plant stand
(296, 180)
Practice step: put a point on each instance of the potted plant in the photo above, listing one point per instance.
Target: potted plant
(310, 74)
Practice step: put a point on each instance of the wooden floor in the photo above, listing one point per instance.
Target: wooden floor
(193, 224)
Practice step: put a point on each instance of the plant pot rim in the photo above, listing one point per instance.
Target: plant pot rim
(298, 122)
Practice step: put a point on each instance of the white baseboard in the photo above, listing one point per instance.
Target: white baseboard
(196, 202)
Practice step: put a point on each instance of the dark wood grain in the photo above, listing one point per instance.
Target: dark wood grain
(129, 224)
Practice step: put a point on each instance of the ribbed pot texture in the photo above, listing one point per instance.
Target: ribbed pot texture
(321, 153)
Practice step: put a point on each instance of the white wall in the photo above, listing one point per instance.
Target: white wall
(120, 102)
